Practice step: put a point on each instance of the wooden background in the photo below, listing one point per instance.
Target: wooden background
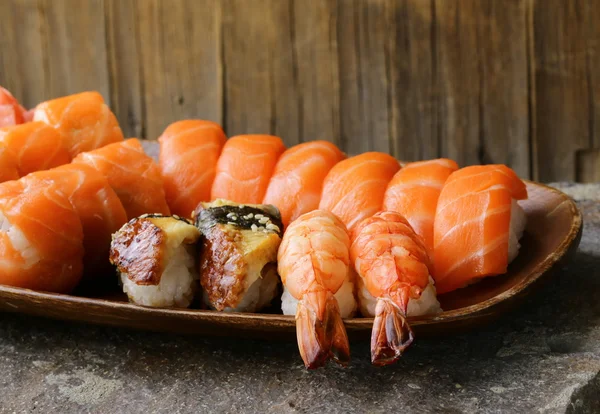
(506, 81)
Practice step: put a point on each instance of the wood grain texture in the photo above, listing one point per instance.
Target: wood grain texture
(22, 55)
(260, 82)
(588, 166)
(552, 236)
(562, 87)
(180, 58)
(75, 47)
(482, 77)
(122, 43)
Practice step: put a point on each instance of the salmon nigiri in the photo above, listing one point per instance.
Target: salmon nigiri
(8, 165)
(189, 151)
(414, 192)
(40, 238)
(97, 205)
(84, 120)
(245, 168)
(296, 185)
(11, 113)
(354, 189)
(478, 225)
(133, 175)
(36, 146)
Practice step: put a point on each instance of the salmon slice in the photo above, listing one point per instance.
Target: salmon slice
(189, 151)
(354, 189)
(40, 238)
(414, 193)
(473, 225)
(36, 146)
(83, 119)
(8, 165)
(133, 175)
(98, 207)
(245, 168)
(296, 185)
(11, 113)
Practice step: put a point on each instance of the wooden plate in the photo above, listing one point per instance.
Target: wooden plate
(553, 232)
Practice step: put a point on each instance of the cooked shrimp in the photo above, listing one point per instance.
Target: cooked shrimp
(392, 261)
(314, 264)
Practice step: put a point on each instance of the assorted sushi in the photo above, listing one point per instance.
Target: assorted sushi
(235, 225)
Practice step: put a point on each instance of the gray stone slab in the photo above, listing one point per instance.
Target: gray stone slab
(544, 357)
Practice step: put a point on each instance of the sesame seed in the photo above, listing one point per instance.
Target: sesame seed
(254, 227)
(231, 223)
(263, 220)
(273, 227)
(258, 216)
(234, 218)
(229, 215)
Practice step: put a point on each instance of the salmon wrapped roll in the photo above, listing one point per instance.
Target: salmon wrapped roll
(8, 165)
(40, 238)
(478, 225)
(245, 168)
(36, 146)
(133, 175)
(83, 119)
(189, 151)
(98, 207)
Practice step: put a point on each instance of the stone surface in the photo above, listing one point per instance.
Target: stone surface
(544, 357)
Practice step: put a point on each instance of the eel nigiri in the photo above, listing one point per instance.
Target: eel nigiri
(83, 119)
(318, 279)
(245, 168)
(8, 165)
(11, 113)
(133, 175)
(238, 269)
(354, 188)
(414, 193)
(155, 257)
(296, 185)
(478, 225)
(189, 151)
(394, 268)
(36, 146)
(98, 207)
(40, 238)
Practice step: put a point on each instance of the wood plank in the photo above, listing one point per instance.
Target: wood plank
(260, 82)
(562, 88)
(75, 42)
(482, 77)
(588, 166)
(180, 61)
(22, 57)
(414, 95)
(316, 57)
(591, 14)
(124, 67)
(363, 33)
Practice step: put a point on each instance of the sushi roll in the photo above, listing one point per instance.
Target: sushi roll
(238, 269)
(478, 224)
(8, 165)
(11, 113)
(154, 255)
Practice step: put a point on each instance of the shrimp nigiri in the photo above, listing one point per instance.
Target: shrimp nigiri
(478, 225)
(83, 119)
(11, 113)
(189, 151)
(314, 265)
(98, 207)
(414, 192)
(296, 185)
(40, 238)
(245, 168)
(8, 165)
(354, 189)
(394, 267)
(133, 175)
(36, 146)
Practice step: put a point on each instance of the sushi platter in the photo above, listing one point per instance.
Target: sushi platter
(202, 234)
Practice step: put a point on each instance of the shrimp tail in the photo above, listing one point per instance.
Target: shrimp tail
(320, 330)
(391, 333)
